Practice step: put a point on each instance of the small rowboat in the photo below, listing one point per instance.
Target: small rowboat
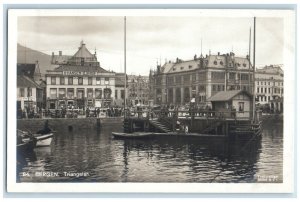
(136, 135)
(44, 140)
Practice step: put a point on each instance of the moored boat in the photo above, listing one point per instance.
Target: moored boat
(25, 142)
(44, 140)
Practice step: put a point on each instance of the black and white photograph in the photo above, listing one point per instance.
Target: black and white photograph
(162, 100)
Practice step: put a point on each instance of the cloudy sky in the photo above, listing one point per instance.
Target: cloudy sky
(152, 39)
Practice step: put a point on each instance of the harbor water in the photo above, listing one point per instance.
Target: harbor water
(94, 156)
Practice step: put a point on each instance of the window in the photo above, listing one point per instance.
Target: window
(62, 81)
(22, 93)
(80, 80)
(89, 93)
(218, 75)
(262, 90)
(244, 77)
(98, 81)
(53, 80)
(70, 93)
(190, 66)
(269, 90)
(181, 68)
(90, 81)
(193, 77)
(80, 93)
(221, 63)
(265, 90)
(244, 65)
(201, 76)
(241, 106)
(82, 61)
(186, 78)
(231, 76)
(178, 79)
(98, 93)
(53, 93)
(257, 90)
(213, 87)
(61, 93)
(215, 62)
(70, 80)
(122, 94)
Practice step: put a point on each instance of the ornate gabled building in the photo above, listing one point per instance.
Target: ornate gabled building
(138, 90)
(181, 81)
(80, 82)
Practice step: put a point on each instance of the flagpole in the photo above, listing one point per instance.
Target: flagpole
(254, 35)
(125, 64)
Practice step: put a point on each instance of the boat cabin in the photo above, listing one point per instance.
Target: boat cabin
(232, 104)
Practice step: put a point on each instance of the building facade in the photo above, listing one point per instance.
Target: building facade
(120, 89)
(138, 90)
(80, 82)
(181, 81)
(269, 86)
(30, 91)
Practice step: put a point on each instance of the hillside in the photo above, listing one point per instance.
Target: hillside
(32, 56)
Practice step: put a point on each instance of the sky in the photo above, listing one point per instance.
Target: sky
(152, 40)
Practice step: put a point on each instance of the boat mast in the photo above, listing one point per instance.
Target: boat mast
(254, 33)
(249, 75)
(125, 79)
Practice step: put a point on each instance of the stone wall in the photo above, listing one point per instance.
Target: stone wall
(63, 124)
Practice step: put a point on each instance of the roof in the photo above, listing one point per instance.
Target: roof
(167, 67)
(83, 52)
(26, 69)
(184, 66)
(25, 82)
(60, 59)
(76, 68)
(227, 95)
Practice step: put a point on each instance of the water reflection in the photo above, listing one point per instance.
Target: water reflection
(104, 159)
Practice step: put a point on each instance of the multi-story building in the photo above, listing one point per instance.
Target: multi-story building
(80, 82)
(138, 90)
(30, 96)
(120, 89)
(181, 81)
(269, 86)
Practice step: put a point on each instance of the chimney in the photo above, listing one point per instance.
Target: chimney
(177, 60)
(195, 57)
(247, 56)
(52, 54)
(218, 53)
(60, 53)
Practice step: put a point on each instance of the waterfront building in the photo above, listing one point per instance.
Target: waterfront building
(269, 87)
(30, 89)
(198, 79)
(80, 82)
(120, 89)
(138, 90)
(232, 104)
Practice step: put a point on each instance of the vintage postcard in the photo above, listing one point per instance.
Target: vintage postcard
(151, 100)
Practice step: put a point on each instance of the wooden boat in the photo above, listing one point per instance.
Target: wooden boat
(25, 142)
(135, 135)
(44, 140)
(41, 140)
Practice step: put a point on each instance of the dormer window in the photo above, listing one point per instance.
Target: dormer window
(181, 67)
(190, 66)
(221, 63)
(174, 68)
(244, 65)
(215, 62)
